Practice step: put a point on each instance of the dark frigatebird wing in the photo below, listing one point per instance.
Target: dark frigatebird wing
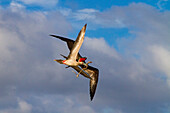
(94, 75)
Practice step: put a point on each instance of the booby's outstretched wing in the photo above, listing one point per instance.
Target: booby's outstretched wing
(77, 44)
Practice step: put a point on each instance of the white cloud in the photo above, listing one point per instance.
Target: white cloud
(128, 84)
(44, 3)
(65, 11)
(160, 4)
(161, 57)
(27, 53)
(71, 107)
(88, 11)
(23, 107)
(135, 14)
(16, 6)
(85, 14)
(140, 71)
(100, 45)
(57, 104)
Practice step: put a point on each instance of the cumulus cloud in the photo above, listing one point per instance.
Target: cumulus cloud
(100, 45)
(130, 81)
(25, 47)
(151, 28)
(27, 69)
(144, 64)
(23, 107)
(161, 57)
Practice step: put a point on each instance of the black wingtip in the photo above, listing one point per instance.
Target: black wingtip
(85, 25)
(91, 95)
(91, 98)
(93, 82)
(93, 85)
(51, 35)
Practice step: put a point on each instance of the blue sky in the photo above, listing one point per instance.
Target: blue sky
(102, 5)
(128, 41)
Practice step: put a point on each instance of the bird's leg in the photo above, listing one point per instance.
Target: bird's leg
(87, 64)
(84, 68)
(74, 72)
(81, 71)
(78, 73)
(77, 76)
(67, 67)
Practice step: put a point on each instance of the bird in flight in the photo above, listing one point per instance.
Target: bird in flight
(71, 59)
(81, 67)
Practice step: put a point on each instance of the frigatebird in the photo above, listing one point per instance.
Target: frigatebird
(89, 72)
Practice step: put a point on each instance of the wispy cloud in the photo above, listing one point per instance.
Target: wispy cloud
(160, 4)
(85, 14)
(43, 3)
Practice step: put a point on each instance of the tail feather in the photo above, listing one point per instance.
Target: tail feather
(59, 61)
